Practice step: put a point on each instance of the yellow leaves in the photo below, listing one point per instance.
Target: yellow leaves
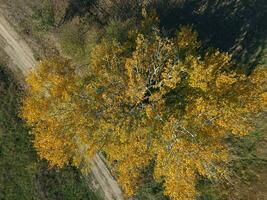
(52, 78)
(140, 40)
(149, 111)
(216, 60)
(263, 99)
(199, 74)
(163, 102)
(171, 77)
(179, 163)
(34, 81)
(55, 79)
(259, 76)
(47, 109)
(146, 65)
(187, 38)
(180, 190)
(50, 146)
(200, 105)
(136, 84)
(131, 156)
(225, 80)
(104, 57)
(31, 110)
(203, 71)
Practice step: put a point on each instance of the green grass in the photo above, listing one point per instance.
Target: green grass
(23, 175)
(43, 17)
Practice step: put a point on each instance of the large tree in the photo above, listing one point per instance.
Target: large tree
(163, 101)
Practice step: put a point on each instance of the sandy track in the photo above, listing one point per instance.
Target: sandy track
(15, 47)
(23, 61)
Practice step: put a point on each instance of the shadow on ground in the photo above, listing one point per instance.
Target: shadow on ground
(237, 26)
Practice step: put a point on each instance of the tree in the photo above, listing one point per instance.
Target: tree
(48, 108)
(166, 102)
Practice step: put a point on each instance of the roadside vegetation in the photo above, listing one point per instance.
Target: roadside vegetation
(174, 100)
(125, 103)
(23, 175)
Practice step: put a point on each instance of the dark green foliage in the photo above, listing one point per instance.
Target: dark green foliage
(117, 30)
(64, 184)
(22, 175)
(150, 189)
(209, 190)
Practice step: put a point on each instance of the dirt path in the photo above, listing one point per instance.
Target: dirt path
(16, 48)
(22, 60)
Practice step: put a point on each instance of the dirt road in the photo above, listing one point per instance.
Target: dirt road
(15, 47)
(22, 60)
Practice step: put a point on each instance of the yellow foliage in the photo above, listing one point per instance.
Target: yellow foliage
(48, 106)
(164, 102)
(187, 39)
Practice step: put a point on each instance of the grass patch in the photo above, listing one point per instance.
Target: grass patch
(247, 171)
(43, 18)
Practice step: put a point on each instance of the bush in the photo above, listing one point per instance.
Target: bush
(118, 30)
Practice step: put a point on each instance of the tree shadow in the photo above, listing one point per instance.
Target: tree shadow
(236, 26)
(76, 8)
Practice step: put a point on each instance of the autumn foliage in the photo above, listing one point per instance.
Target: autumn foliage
(163, 101)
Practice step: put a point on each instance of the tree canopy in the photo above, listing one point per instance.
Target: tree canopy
(163, 101)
